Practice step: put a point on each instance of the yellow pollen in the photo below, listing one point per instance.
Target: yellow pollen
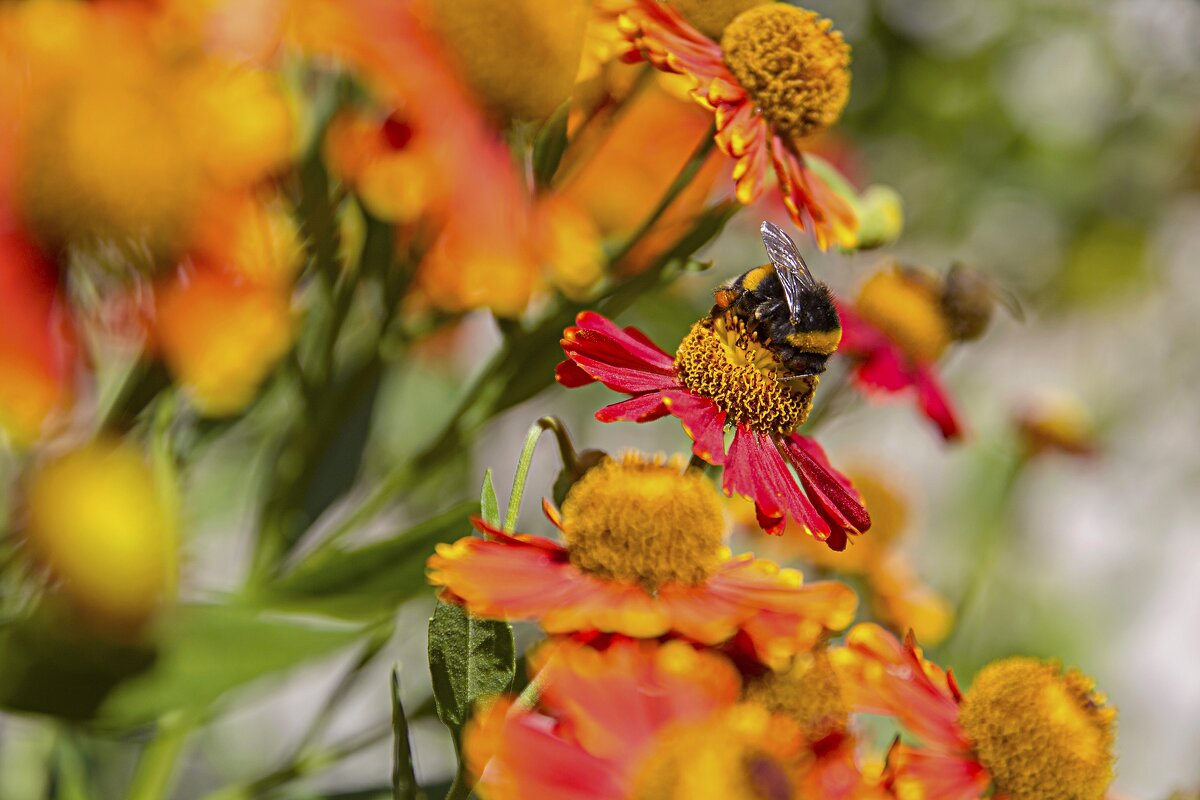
(727, 756)
(808, 692)
(720, 360)
(1041, 735)
(905, 305)
(711, 17)
(793, 64)
(643, 522)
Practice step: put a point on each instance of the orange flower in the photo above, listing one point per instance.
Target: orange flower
(778, 75)
(1025, 728)
(643, 557)
(635, 720)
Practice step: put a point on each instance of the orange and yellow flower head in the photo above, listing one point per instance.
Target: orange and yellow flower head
(127, 126)
(104, 528)
(644, 557)
(1025, 728)
(778, 76)
(634, 721)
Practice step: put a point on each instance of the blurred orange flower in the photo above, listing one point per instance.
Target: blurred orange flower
(643, 557)
(634, 720)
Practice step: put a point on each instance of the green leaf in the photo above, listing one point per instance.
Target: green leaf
(489, 507)
(469, 659)
(50, 665)
(404, 780)
(206, 650)
(550, 144)
(370, 580)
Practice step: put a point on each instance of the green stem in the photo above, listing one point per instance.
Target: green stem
(156, 769)
(566, 449)
(308, 764)
(685, 176)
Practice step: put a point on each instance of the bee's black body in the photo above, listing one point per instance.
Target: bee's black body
(793, 316)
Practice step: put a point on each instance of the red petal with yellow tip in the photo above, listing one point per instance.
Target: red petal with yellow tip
(703, 422)
(940, 775)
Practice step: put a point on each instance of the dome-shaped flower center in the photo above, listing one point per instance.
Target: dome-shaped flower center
(1039, 733)
(720, 360)
(905, 305)
(795, 67)
(647, 523)
(711, 17)
(727, 756)
(808, 692)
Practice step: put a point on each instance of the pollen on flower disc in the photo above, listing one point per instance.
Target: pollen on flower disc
(905, 304)
(808, 692)
(793, 64)
(1041, 734)
(720, 360)
(741, 754)
(644, 522)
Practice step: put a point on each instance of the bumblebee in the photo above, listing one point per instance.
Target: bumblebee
(784, 308)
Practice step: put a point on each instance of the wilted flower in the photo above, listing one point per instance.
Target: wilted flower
(1025, 728)
(633, 721)
(779, 75)
(643, 557)
(718, 378)
(105, 531)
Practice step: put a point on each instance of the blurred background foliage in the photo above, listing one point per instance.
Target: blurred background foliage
(1054, 145)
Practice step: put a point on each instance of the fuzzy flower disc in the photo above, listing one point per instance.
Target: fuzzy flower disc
(644, 522)
(793, 64)
(1041, 735)
(720, 360)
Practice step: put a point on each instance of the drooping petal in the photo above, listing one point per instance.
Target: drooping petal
(755, 469)
(935, 402)
(810, 202)
(828, 489)
(940, 775)
(631, 379)
(702, 420)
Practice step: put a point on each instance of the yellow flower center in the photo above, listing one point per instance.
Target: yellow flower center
(793, 64)
(711, 17)
(726, 756)
(720, 360)
(1040, 734)
(644, 522)
(808, 692)
(905, 305)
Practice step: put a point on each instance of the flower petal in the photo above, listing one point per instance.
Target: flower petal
(755, 469)
(702, 420)
(828, 489)
(935, 403)
(630, 339)
(940, 775)
(882, 676)
(639, 408)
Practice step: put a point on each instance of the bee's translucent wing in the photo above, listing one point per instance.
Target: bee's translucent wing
(789, 266)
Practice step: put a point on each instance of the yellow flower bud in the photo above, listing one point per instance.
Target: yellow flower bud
(105, 531)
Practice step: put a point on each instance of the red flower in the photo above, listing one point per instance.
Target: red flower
(896, 350)
(749, 400)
